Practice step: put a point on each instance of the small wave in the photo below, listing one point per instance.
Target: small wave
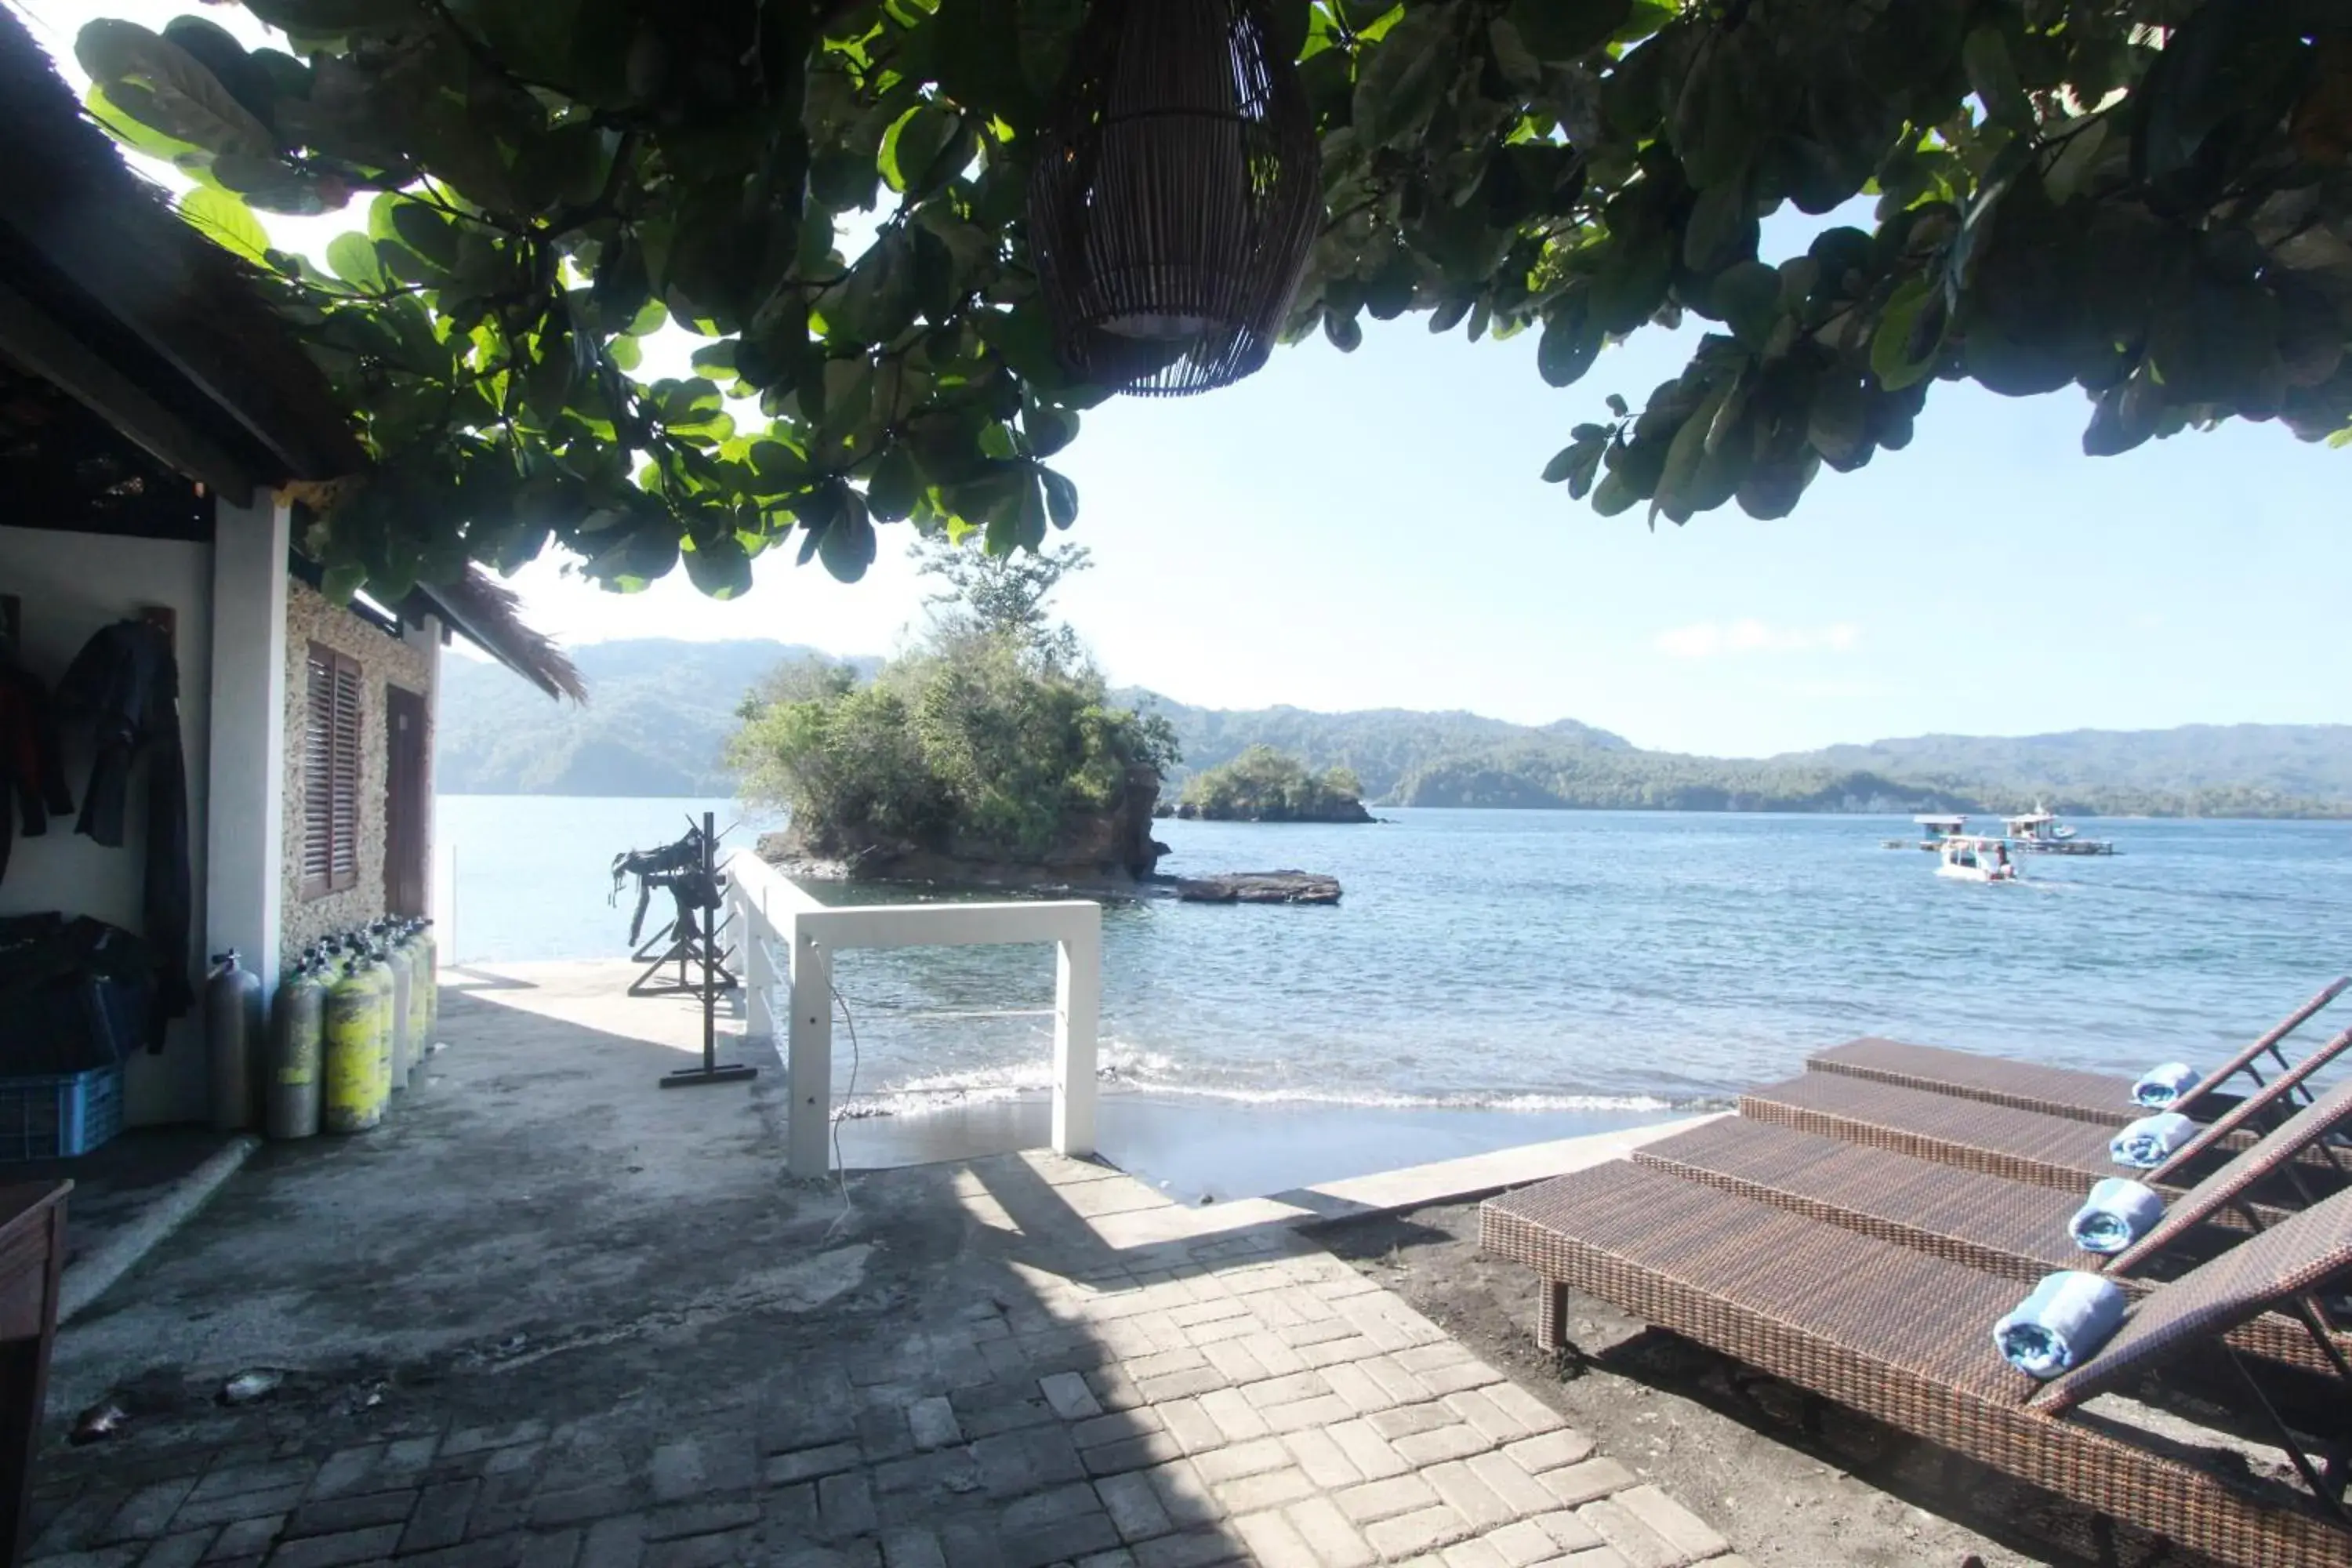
(1144, 1073)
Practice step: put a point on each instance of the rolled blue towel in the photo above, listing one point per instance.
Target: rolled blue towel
(2149, 1142)
(2160, 1087)
(2117, 1213)
(2061, 1324)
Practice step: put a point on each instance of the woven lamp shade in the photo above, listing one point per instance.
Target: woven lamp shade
(1175, 196)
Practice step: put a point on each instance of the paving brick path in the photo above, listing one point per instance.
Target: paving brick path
(1246, 1398)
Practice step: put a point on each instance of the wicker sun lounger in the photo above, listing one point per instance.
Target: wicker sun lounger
(2018, 1145)
(2011, 1228)
(2063, 1091)
(1905, 1336)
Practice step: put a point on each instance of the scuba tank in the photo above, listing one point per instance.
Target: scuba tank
(420, 993)
(378, 969)
(232, 1026)
(402, 1054)
(354, 1049)
(432, 971)
(297, 1044)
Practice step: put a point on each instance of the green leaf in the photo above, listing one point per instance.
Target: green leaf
(1748, 296)
(877, 301)
(1061, 497)
(1571, 342)
(1678, 481)
(160, 84)
(134, 133)
(1892, 356)
(1049, 429)
(1721, 227)
(1992, 77)
(549, 385)
(1048, 29)
(914, 143)
(896, 487)
(335, 18)
(780, 468)
(1631, 282)
(1407, 76)
(353, 257)
(720, 567)
(848, 546)
(340, 582)
(1614, 494)
(424, 231)
(268, 183)
(227, 221)
(1837, 424)
(1512, 56)
(1564, 30)
(1588, 464)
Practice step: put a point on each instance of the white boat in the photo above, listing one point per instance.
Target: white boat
(1934, 829)
(1967, 858)
(2044, 833)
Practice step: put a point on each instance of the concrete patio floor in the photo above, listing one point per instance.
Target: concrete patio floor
(552, 1316)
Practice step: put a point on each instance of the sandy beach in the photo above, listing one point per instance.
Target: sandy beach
(1195, 1148)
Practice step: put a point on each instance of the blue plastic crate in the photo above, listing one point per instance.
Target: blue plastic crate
(58, 1118)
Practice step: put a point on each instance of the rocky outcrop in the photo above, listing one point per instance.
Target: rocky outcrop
(1110, 848)
(1260, 887)
(1337, 811)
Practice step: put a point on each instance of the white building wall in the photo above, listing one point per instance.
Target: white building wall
(71, 585)
(241, 900)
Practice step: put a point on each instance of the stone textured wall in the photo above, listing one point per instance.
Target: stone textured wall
(382, 662)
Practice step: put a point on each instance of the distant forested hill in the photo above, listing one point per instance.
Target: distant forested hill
(657, 719)
(1381, 746)
(660, 711)
(2311, 761)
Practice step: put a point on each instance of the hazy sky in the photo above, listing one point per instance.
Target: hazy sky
(1370, 531)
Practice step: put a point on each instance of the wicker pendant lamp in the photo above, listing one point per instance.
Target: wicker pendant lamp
(1175, 196)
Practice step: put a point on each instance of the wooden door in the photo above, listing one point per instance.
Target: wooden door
(407, 809)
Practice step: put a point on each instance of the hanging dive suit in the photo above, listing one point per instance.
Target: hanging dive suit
(126, 684)
(32, 768)
(676, 867)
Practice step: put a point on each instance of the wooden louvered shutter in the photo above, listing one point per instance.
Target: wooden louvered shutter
(344, 860)
(330, 773)
(318, 771)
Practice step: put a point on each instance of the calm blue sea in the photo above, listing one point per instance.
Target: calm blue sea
(1536, 962)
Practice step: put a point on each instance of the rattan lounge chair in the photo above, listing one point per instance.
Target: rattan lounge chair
(1905, 1336)
(2063, 1091)
(2011, 1228)
(2029, 1146)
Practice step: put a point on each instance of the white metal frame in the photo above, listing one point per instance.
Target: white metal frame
(772, 909)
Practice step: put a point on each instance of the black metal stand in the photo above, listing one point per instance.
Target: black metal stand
(690, 944)
(645, 949)
(711, 1070)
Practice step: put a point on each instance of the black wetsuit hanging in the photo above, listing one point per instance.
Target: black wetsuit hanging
(126, 683)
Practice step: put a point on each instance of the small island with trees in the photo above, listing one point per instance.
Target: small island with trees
(989, 752)
(1263, 785)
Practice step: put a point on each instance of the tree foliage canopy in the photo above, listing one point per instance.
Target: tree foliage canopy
(1003, 595)
(1263, 785)
(964, 746)
(2149, 199)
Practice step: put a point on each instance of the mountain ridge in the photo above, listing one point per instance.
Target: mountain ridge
(660, 711)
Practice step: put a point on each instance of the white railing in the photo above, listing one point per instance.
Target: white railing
(771, 909)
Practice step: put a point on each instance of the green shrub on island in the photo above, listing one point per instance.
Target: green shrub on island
(964, 747)
(1262, 784)
(992, 744)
